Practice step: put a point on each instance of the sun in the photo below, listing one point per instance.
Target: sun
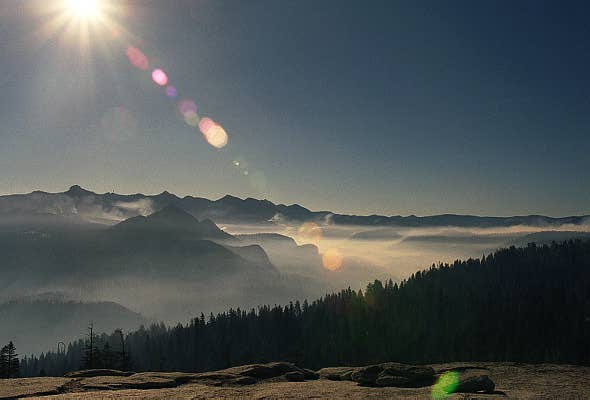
(84, 9)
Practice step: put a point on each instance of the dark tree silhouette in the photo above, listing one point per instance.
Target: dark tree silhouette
(9, 362)
(4, 362)
(123, 361)
(91, 355)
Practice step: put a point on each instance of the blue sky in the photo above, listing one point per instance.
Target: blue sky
(360, 107)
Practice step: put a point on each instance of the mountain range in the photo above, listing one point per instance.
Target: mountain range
(78, 205)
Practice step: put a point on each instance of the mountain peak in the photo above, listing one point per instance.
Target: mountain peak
(166, 195)
(229, 198)
(77, 190)
(176, 221)
(172, 213)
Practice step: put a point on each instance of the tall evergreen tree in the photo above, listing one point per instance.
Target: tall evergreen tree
(9, 362)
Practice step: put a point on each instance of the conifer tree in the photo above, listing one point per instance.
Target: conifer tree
(9, 362)
(91, 354)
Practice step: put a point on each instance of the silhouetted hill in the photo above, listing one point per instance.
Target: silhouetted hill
(160, 264)
(109, 208)
(36, 324)
(172, 220)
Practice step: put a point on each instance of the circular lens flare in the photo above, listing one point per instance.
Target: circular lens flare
(159, 77)
(213, 133)
(187, 106)
(171, 92)
(191, 118)
(137, 58)
(205, 124)
(332, 259)
(216, 136)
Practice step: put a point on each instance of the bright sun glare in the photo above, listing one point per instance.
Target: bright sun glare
(85, 9)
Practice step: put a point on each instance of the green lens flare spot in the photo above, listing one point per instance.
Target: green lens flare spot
(445, 385)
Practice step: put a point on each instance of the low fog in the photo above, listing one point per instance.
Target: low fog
(171, 277)
(398, 252)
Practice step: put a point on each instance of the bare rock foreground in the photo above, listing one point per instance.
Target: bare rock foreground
(285, 381)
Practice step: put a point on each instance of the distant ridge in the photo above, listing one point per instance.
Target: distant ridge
(110, 208)
(172, 219)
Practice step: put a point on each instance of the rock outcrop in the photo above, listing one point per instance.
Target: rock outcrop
(457, 379)
(87, 373)
(394, 374)
(337, 373)
(475, 384)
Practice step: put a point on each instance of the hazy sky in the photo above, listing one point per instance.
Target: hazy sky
(386, 107)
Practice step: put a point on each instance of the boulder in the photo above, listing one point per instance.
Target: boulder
(337, 373)
(220, 378)
(475, 384)
(309, 374)
(367, 376)
(347, 376)
(391, 374)
(244, 380)
(263, 371)
(413, 372)
(295, 376)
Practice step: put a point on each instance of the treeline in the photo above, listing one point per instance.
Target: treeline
(528, 304)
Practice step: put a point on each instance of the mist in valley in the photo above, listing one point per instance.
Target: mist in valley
(162, 258)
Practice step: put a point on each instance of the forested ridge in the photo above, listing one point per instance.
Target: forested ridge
(529, 304)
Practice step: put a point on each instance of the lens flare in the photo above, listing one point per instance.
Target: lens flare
(332, 259)
(159, 77)
(137, 58)
(205, 124)
(213, 133)
(216, 136)
(186, 106)
(171, 92)
(445, 385)
(310, 232)
(191, 118)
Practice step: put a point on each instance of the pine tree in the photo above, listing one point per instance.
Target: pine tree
(91, 355)
(123, 361)
(107, 356)
(4, 362)
(9, 362)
